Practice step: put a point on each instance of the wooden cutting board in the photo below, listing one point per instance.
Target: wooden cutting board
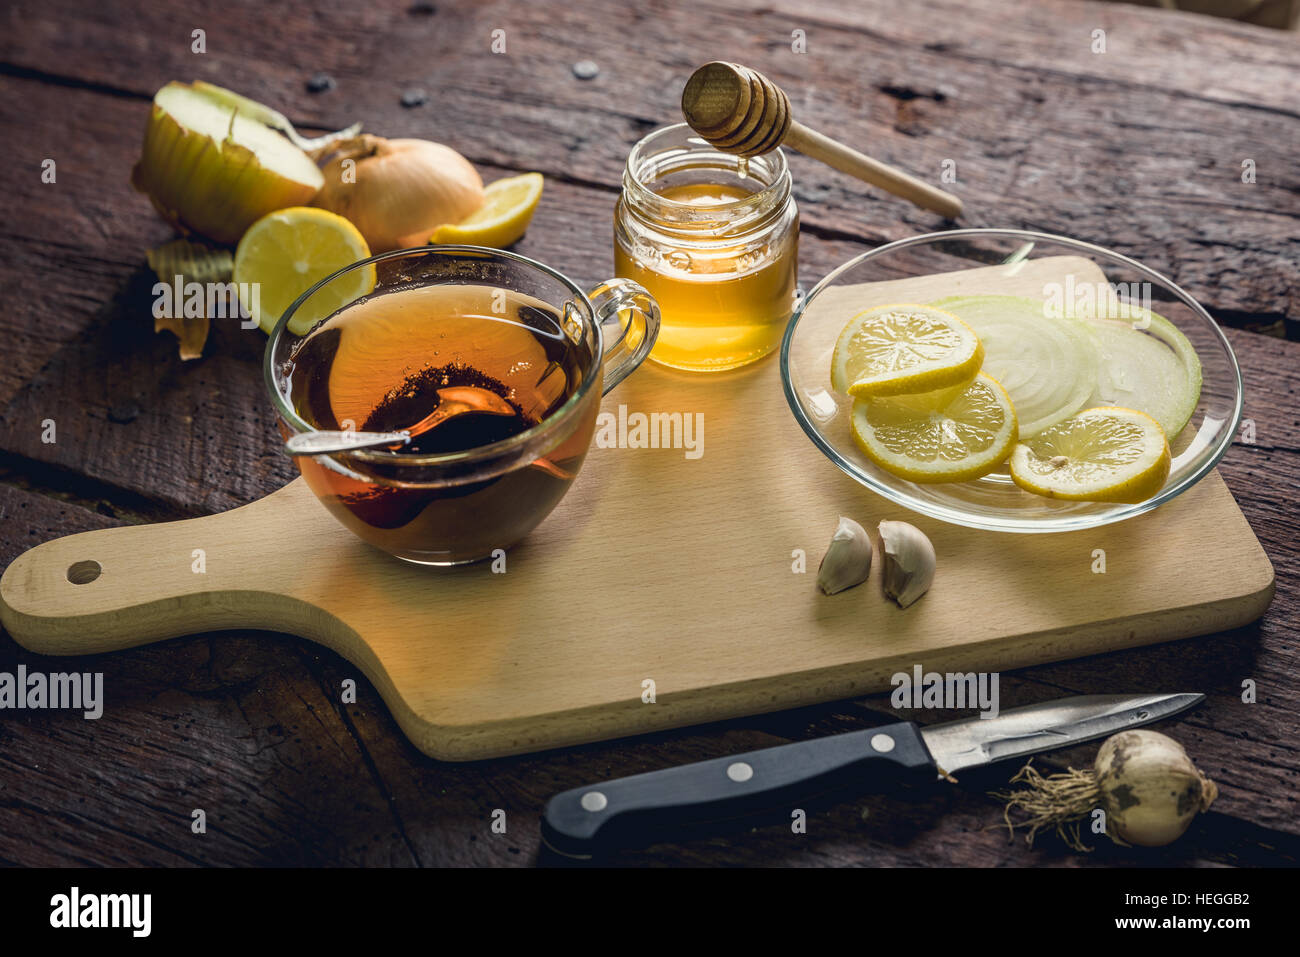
(659, 572)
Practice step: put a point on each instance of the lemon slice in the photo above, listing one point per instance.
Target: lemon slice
(287, 252)
(903, 349)
(950, 435)
(508, 207)
(1106, 454)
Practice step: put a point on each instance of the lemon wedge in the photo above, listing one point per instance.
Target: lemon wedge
(949, 435)
(508, 207)
(286, 252)
(1106, 454)
(904, 349)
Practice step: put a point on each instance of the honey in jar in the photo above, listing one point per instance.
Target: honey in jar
(715, 240)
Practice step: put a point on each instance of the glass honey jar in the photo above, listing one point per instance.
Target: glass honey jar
(715, 239)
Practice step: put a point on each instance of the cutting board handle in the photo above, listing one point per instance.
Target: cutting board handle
(120, 587)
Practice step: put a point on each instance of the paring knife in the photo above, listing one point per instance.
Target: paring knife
(588, 820)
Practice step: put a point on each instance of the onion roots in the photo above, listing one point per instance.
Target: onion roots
(1143, 781)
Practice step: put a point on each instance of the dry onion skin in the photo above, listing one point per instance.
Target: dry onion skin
(1144, 781)
(397, 192)
(194, 262)
(312, 146)
(210, 169)
(191, 262)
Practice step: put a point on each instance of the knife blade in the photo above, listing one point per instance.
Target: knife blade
(585, 821)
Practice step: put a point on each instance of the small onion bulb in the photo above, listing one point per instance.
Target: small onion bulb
(397, 192)
(1143, 781)
(1150, 788)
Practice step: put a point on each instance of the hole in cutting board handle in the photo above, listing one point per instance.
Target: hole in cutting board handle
(83, 573)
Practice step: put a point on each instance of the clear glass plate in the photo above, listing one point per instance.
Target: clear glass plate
(1007, 262)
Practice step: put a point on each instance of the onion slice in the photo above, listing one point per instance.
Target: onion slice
(1147, 365)
(1047, 364)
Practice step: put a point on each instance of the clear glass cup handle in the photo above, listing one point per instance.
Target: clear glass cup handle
(630, 340)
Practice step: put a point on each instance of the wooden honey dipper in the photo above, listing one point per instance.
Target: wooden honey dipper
(738, 110)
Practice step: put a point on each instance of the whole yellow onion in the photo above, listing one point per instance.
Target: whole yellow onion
(397, 192)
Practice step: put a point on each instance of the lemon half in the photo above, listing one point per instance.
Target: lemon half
(950, 435)
(287, 252)
(1107, 454)
(903, 349)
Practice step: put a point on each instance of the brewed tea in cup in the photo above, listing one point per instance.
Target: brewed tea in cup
(514, 349)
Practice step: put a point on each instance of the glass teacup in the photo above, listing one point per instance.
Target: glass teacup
(515, 350)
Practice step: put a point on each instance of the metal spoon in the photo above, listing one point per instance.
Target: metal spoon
(453, 401)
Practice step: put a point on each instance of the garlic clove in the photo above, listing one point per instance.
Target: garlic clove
(909, 561)
(847, 561)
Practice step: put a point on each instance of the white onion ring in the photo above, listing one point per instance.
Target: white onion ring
(1047, 364)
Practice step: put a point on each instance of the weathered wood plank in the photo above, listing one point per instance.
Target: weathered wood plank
(238, 694)
(924, 827)
(1195, 56)
(1034, 124)
(180, 455)
(1060, 138)
(237, 725)
(110, 359)
(63, 244)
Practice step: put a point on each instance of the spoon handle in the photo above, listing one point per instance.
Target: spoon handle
(848, 160)
(740, 111)
(327, 443)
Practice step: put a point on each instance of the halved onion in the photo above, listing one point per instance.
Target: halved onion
(1047, 364)
(313, 146)
(1147, 365)
(212, 170)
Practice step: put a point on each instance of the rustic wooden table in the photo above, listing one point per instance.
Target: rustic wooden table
(1141, 147)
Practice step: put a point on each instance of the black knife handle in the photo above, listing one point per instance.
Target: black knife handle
(589, 820)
